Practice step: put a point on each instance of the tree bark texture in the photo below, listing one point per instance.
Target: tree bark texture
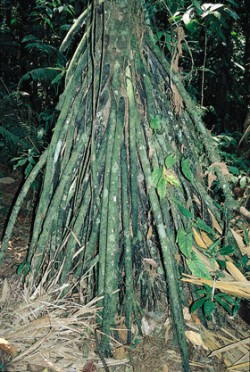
(99, 216)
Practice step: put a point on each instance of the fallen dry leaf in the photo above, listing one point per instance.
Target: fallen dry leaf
(195, 338)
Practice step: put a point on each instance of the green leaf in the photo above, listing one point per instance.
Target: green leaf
(224, 304)
(58, 78)
(186, 170)
(173, 7)
(222, 264)
(200, 292)
(197, 267)
(197, 304)
(185, 211)
(170, 161)
(185, 241)
(233, 170)
(172, 180)
(232, 14)
(203, 226)
(162, 187)
(182, 209)
(39, 74)
(155, 122)
(227, 250)
(156, 175)
(209, 307)
(192, 26)
(30, 38)
(244, 260)
(212, 250)
(197, 5)
(213, 262)
(232, 2)
(24, 268)
(243, 182)
(219, 274)
(226, 297)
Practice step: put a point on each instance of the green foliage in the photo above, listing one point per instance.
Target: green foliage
(209, 302)
(234, 157)
(156, 175)
(185, 241)
(186, 212)
(170, 161)
(155, 123)
(162, 177)
(197, 266)
(162, 187)
(237, 160)
(27, 161)
(24, 268)
(186, 170)
(203, 226)
(22, 132)
(32, 73)
(213, 59)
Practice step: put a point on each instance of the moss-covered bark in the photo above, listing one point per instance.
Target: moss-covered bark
(98, 202)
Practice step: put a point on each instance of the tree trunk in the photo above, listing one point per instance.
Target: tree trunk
(110, 200)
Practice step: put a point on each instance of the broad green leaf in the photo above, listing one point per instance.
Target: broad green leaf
(182, 209)
(226, 297)
(227, 250)
(197, 5)
(233, 170)
(58, 78)
(232, 14)
(185, 211)
(185, 241)
(200, 292)
(173, 7)
(219, 274)
(155, 122)
(236, 306)
(186, 170)
(203, 226)
(192, 26)
(243, 182)
(156, 175)
(224, 304)
(222, 264)
(209, 307)
(172, 180)
(244, 260)
(162, 187)
(197, 267)
(213, 263)
(197, 304)
(170, 161)
(30, 38)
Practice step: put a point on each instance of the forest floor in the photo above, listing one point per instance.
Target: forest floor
(36, 337)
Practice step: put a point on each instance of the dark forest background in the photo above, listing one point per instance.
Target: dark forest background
(210, 40)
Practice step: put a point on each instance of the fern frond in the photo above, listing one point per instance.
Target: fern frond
(39, 74)
(42, 47)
